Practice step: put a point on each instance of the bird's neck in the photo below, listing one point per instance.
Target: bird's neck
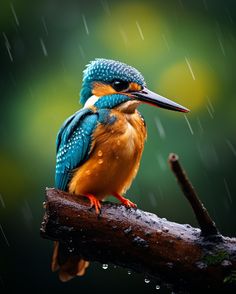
(118, 102)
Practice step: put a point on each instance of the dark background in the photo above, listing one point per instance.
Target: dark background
(186, 51)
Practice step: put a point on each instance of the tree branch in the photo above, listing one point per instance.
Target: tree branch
(140, 241)
(205, 222)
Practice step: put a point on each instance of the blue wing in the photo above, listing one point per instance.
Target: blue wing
(73, 145)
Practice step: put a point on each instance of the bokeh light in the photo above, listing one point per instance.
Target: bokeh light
(191, 82)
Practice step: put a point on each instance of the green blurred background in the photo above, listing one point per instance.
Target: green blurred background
(186, 51)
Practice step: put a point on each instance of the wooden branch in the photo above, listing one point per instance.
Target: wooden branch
(140, 241)
(205, 222)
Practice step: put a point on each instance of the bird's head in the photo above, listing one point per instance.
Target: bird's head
(110, 84)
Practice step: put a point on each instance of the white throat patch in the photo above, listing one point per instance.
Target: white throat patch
(91, 101)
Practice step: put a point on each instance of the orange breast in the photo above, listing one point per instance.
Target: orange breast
(114, 158)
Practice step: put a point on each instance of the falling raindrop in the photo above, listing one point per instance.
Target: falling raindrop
(2, 201)
(146, 280)
(152, 199)
(157, 287)
(165, 41)
(188, 123)
(190, 68)
(106, 7)
(231, 147)
(181, 3)
(14, 14)
(160, 128)
(8, 46)
(200, 125)
(43, 47)
(140, 30)
(85, 24)
(228, 191)
(105, 266)
(209, 111)
(221, 46)
(205, 4)
(27, 214)
(81, 50)
(161, 162)
(229, 16)
(44, 25)
(124, 36)
(210, 105)
(4, 236)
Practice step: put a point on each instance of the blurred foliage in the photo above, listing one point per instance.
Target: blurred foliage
(186, 51)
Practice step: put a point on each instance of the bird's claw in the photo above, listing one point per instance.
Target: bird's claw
(94, 202)
(124, 200)
(129, 203)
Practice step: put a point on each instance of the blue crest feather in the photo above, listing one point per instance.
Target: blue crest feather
(107, 70)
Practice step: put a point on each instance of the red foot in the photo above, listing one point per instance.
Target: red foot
(124, 200)
(94, 202)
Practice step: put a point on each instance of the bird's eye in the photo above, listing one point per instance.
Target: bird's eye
(120, 85)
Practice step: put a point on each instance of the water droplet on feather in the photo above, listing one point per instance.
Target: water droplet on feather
(105, 266)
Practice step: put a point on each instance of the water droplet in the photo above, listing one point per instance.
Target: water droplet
(100, 161)
(118, 142)
(117, 157)
(170, 264)
(129, 272)
(105, 266)
(226, 263)
(100, 153)
(146, 280)
(158, 287)
(201, 265)
(112, 131)
(88, 172)
(128, 230)
(166, 230)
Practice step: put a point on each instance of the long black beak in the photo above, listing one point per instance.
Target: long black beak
(152, 98)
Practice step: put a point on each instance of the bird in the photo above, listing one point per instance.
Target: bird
(99, 147)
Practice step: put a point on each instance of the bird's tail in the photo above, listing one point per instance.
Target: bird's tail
(68, 266)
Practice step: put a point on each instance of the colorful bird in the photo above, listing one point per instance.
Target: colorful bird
(100, 146)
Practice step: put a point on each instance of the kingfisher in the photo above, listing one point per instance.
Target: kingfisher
(100, 146)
